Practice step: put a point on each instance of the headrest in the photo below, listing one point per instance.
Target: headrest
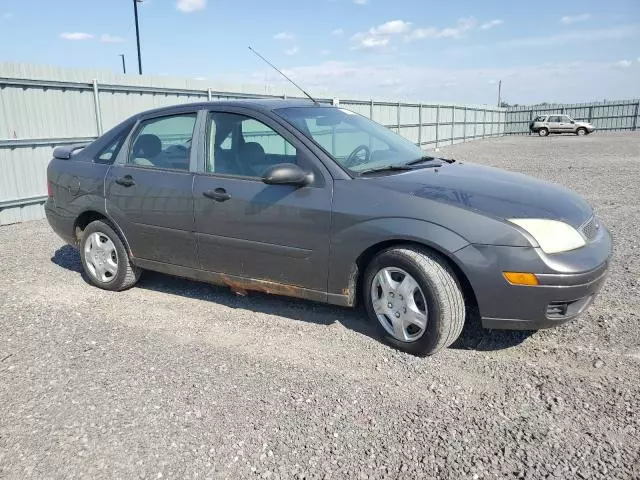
(252, 150)
(147, 146)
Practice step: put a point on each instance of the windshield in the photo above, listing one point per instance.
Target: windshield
(354, 141)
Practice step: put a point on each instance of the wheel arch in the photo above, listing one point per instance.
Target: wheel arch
(88, 216)
(368, 254)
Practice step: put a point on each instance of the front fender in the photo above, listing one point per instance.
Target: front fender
(348, 244)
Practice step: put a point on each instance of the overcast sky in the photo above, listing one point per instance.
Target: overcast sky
(453, 51)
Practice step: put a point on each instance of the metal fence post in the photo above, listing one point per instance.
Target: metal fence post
(209, 96)
(484, 123)
(635, 117)
(437, 124)
(96, 103)
(453, 122)
(420, 125)
(464, 126)
(371, 110)
(398, 117)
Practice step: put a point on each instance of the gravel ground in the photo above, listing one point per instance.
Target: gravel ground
(178, 379)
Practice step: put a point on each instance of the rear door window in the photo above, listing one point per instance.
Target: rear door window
(163, 142)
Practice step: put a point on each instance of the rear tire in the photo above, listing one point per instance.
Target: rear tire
(543, 132)
(435, 297)
(581, 132)
(105, 259)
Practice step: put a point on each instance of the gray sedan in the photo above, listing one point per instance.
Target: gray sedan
(311, 201)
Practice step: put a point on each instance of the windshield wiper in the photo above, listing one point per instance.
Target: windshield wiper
(387, 168)
(401, 167)
(427, 158)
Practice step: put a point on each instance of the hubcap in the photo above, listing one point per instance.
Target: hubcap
(399, 304)
(581, 132)
(101, 257)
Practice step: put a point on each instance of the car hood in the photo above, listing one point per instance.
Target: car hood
(583, 124)
(491, 191)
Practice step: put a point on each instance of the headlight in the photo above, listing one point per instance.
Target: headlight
(552, 236)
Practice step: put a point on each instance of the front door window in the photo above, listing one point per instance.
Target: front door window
(242, 146)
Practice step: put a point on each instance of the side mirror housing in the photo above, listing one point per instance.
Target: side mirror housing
(287, 174)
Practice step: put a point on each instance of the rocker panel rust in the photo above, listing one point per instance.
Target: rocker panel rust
(239, 285)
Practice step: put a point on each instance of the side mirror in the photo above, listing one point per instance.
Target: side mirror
(573, 121)
(287, 174)
(65, 152)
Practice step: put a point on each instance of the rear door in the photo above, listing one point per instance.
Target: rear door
(246, 228)
(554, 124)
(148, 189)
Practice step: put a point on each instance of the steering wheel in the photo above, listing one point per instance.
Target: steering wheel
(353, 159)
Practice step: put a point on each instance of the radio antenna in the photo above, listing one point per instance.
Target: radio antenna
(281, 73)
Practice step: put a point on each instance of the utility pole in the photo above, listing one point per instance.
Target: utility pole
(499, 93)
(135, 14)
(124, 65)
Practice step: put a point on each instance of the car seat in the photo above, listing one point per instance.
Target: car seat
(145, 149)
(252, 158)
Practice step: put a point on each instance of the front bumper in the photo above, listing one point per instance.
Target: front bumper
(568, 283)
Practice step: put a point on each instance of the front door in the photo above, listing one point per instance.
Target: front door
(566, 125)
(149, 191)
(246, 228)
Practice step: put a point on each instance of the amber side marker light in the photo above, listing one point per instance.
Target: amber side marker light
(520, 278)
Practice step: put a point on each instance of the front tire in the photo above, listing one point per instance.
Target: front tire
(581, 132)
(105, 259)
(543, 132)
(415, 300)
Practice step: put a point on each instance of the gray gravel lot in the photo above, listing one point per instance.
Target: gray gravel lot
(178, 379)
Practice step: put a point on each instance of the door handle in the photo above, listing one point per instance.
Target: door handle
(219, 194)
(125, 181)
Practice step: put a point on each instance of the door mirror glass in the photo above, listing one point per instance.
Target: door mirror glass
(287, 174)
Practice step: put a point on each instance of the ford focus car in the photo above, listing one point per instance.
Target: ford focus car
(316, 202)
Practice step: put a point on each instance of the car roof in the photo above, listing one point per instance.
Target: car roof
(260, 104)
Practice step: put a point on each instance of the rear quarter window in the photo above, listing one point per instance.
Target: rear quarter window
(109, 153)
